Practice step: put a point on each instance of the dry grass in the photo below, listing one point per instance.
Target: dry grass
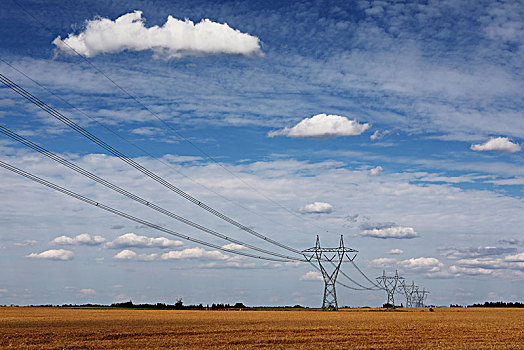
(52, 328)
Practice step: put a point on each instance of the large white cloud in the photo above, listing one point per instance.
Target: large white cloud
(375, 171)
(53, 254)
(176, 38)
(130, 240)
(81, 239)
(317, 208)
(516, 258)
(501, 144)
(322, 126)
(192, 253)
(398, 232)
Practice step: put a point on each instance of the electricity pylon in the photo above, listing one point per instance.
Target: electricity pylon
(390, 284)
(334, 256)
(420, 296)
(408, 291)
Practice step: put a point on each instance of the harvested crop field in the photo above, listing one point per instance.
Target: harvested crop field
(84, 328)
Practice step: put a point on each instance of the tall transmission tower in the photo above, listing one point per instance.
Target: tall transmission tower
(390, 284)
(408, 291)
(420, 297)
(334, 256)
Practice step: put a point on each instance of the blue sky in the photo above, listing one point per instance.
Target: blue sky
(396, 124)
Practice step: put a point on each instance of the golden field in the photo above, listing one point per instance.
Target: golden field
(85, 328)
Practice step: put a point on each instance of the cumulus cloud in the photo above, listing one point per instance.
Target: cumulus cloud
(81, 239)
(127, 254)
(194, 253)
(176, 38)
(501, 144)
(317, 208)
(323, 126)
(311, 276)
(375, 171)
(382, 262)
(132, 240)
(426, 264)
(396, 251)
(398, 232)
(53, 254)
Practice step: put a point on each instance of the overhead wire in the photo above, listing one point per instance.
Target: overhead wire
(132, 196)
(159, 118)
(128, 216)
(141, 149)
(59, 116)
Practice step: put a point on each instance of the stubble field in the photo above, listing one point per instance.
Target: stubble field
(53, 328)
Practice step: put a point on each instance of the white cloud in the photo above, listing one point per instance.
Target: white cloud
(516, 258)
(26, 243)
(127, 254)
(233, 246)
(322, 126)
(311, 276)
(458, 270)
(426, 264)
(382, 262)
(375, 171)
(502, 144)
(81, 239)
(86, 292)
(377, 135)
(192, 253)
(317, 208)
(53, 254)
(396, 251)
(174, 39)
(130, 240)
(397, 232)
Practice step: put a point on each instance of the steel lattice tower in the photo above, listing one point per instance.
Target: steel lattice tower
(420, 296)
(334, 256)
(408, 291)
(390, 284)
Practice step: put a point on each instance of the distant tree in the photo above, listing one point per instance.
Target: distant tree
(239, 306)
(179, 305)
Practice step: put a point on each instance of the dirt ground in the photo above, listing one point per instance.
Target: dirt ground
(84, 328)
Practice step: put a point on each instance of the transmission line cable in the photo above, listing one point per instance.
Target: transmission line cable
(141, 148)
(366, 277)
(42, 105)
(159, 118)
(132, 196)
(128, 216)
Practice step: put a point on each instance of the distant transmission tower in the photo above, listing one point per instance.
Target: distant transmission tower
(419, 297)
(390, 284)
(334, 256)
(408, 291)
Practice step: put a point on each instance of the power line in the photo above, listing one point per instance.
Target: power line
(132, 196)
(159, 118)
(141, 148)
(42, 105)
(128, 216)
